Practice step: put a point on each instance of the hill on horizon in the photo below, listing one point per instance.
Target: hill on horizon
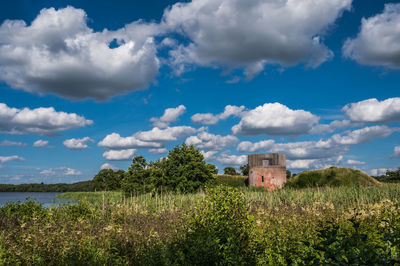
(333, 177)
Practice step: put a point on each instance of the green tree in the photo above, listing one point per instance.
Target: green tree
(137, 179)
(213, 168)
(393, 175)
(107, 179)
(184, 169)
(288, 174)
(229, 171)
(245, 169)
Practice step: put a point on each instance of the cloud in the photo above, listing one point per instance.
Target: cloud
(355, 162)
(9, 143)
(373, 111)
(158, 151)
(64, 171)
(396, 151)
(207, 141)
(168, 134)
(254, 147)
(323, 148)
(233, 160)
(115, 141)
(301, 164)
(13, 158)
(377, 43)
(378, 171)
(119, 155)
(77, 144)
(331, 127)
(108, 166)
(252, 34)
(42, 121)
(170, 115)
(59, 54)
(363, 135)
(47, 172)
(275, 119)
(210, 119)
(209, 155)
(41, 143)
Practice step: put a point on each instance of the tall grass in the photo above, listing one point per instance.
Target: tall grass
(340, 197)
(312, 226)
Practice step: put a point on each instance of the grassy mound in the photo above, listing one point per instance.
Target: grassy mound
(333, 177)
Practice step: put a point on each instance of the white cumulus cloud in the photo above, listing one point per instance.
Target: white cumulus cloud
(170, 115)
(378, 171)
(41, 143)
(275, 119)
(320, 149)
(363, 135)
(377, 43)
(355, 162)
(209, 155)
(42, 121)
(59, 53)
(115, 141)
(77, 144)
(252, 34)
(232, 160)
(167, 134)
(119, 155)
(372, 110)
(210, 119)
(16, 158)
(208, 141)
(396, 151)
(108, 166)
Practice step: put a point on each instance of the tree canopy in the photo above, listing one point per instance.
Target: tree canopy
(183, 170)
(229, 171)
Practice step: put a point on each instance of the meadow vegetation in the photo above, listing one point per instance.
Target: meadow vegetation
(218, 225)
(176, 212)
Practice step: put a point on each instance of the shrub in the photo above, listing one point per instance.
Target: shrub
(219, 231)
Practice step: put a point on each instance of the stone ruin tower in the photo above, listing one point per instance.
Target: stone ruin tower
(267, 170)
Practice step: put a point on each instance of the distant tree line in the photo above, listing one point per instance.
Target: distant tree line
(390, 176)
(59, 187)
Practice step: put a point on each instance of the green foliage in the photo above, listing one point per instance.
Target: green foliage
(390, 176)
(219, 231)
(288, 174)
(107, 179)
(184, 170)
(22, 211)
(229, 171)
(137, 179)
(245, 169)
(213, 169)
(230, 180)
(226, 226)
(332, 176)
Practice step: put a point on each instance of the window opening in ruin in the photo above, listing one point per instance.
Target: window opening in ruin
(262, 178)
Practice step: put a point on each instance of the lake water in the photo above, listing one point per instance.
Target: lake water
(46, 198)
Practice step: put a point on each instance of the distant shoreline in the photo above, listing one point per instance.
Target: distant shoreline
(40, 187)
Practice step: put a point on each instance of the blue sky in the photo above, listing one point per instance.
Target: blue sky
(87, 86)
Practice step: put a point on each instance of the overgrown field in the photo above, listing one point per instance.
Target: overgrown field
(221, 225)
